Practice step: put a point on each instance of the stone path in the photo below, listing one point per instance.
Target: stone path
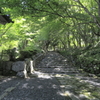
(75, 85)
(54, 80)
(55, 63)
(42, 87)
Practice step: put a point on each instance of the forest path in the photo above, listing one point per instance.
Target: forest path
(55, 80)
(76, 85)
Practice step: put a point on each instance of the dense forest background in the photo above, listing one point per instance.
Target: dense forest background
(70, 27)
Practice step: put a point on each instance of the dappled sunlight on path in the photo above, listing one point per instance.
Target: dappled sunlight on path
(32, 88)
(79, 89)
(75, 85)
(53, 79)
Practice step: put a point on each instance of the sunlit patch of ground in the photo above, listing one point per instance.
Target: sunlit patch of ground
(78, 89)
(5, 77)
(41, 75)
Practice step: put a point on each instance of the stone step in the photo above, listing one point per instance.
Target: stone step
(68, 73)
(56, 70)
(54, 67)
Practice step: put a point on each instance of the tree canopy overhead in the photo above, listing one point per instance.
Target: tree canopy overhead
(69, 17)
(57, 24)
(61, 25)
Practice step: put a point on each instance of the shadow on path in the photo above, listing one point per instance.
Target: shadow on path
(43, 87)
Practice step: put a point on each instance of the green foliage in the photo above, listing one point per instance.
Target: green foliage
(27, 54)
(89, 60)
(63, 25)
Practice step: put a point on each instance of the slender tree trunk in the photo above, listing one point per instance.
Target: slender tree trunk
(99, 8)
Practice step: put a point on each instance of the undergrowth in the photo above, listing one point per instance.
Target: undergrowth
(87, 59)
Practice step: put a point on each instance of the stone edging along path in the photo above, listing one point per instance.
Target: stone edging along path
(20, 68)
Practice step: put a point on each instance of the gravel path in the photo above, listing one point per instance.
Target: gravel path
(37, 88)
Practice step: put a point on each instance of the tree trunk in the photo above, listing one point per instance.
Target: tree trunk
(99, 8)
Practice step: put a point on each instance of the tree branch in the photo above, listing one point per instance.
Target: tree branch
(87, 11)
(6, 30)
